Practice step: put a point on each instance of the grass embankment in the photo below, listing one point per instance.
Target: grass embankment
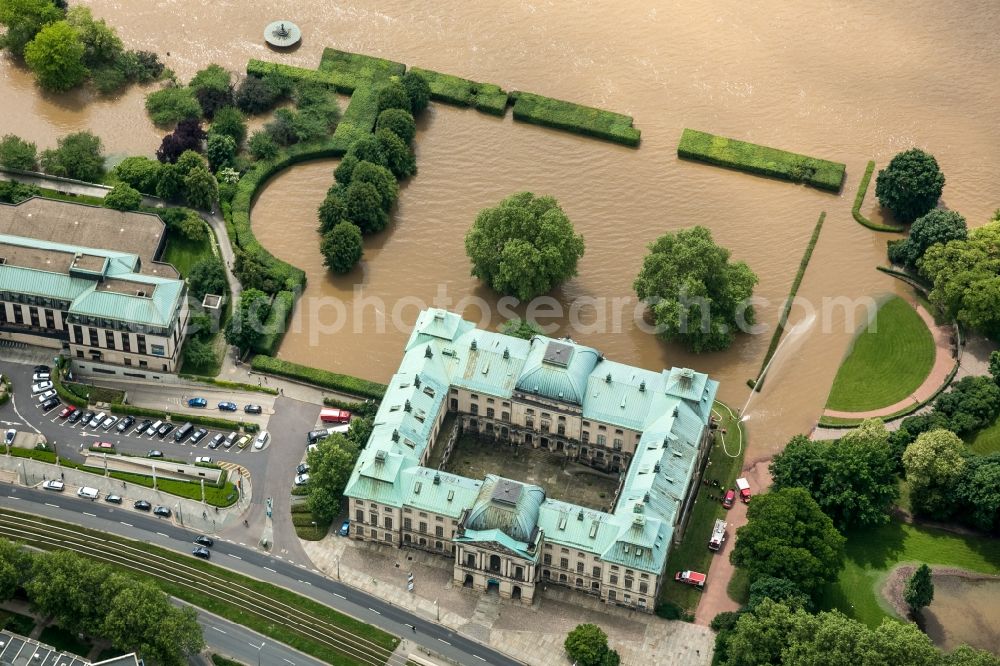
(485, 97)
(183, 253)
(586, 120)
(871, 554)
(783, 319)
(762, 160)
(317, 377)
(859, 199)
(885, 364)
(677, 599)
(74, 198)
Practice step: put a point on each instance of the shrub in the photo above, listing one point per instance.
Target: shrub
(257, 95)
(758, 159)
(78, 155)
(571, 117)
(282, 128)
(16, 153)
(188, 135)
(200, 189)
(230, 121)
(141, 173)
(417, 90)
(358, 120)
(392, 96)
(911, 185)
(123, 197)
(23, 21)
(220, 150)
(321, 378)
(349, 71)
(262, 146)
(170, 183)
(14, 193)
(55, 55)
(397, 155)
(450, 89)
(399, 122)
(276, 323)
(342, 247)
(108, 79)
(332, 211)
(364, 207)
(207, 276)
(172, 104)
(140, 66)
(380, 178)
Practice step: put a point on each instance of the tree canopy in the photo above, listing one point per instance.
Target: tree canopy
(78, 155)
(55, 55)
(525, 246)
(141, 173)
(393, 96)
(200, 189)
(207, 276)
(342, 247)
(933, 464)
(418, 90)
(587, 645)
(172, 104)
(696, 295)
(16, 153)
(787, 535)
(330, 467)
(123, 197)
(937, 226)
(230, 121)
(363, 203)
(919, 591)
(399, 122)
(23, 20)
(977, 493)
(911, 185)
(972, 403)
(245, 327)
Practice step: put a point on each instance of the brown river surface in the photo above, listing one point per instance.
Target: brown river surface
(845, 81)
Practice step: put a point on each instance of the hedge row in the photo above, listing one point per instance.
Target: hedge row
(763, 160)
(449, 89)
(350, 71)
(366, 409)
(195, 419)
(859, 199)
(359, 118)
(239, 386)
(586, 120)
(276, 324)
(322, 378)
(261, 68)
(65, 394)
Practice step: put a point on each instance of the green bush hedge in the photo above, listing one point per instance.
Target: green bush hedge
(363, 409)
(359, 118)
(239, 386)
(261, 68)
(763, 160)
(277, 322)
(485, 97)
(322, 378)
(351, 71)
(67, 396)
(586, 120)
(859, 199)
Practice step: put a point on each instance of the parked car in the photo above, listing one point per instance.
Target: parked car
(162, 511)
(330, 415)
(262, 439)
(197, 402)
(113, 499)
(96, 419)
(41, 377)
(67, 410)
(54, 484)
(41, 387)
(50, 404)
(42, 397)
(744, 487)
(125, 424)
(108, 422)
(205, 541)
(203, 553)
(691, 578)
(728, 499)
(102, 445)
(153, 453)
(231, 439)
(142, 427)
(141, 505)
(301, 479)
(183, 432)
(345, 528)
(253, 409)
(218, 439)
(315, 435)
(243, 441)
(164, 430)
(86, 418)
(198, 435)
(203, 459)
(302, 468)
(227, 406)
(74, 416)
(42, 368)
(9, 436)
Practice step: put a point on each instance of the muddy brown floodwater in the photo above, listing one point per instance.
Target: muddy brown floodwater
(844, 81)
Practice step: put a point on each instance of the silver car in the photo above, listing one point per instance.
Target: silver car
(45, 396)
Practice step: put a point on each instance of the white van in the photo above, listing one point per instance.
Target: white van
(339, 430)
(151, 430)
(88, 493)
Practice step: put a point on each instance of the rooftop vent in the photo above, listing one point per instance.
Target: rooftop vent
(557, 353)
(449, 352)
(407, 406)
(437, 479)
(677, 454)
(140, 293)
(645, 498)
(506, 353)
(429, 391)
(427, 352)
(439, 315)
(562, 522)
(395, 437)
(380, 455)
(642, 386)
(579, 515)
(451, 495)
(607, 378)
(593, 529)
(416, 487)
(656, 468)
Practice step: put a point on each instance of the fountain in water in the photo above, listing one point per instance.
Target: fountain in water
(282, 34)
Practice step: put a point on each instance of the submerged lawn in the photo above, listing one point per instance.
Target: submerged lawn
(885, 364)
(872, 553)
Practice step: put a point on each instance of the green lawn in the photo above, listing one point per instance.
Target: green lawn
(986, 441)
(872, 553)
(886, 364)
(693, 552)
(184, 253)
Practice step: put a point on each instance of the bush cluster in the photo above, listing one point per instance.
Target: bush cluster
(322, 378)
(276, 323)
(485, 97)
(16, 153)
(79, 156)
(15, 193)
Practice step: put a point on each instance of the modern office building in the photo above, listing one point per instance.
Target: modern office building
(85, 280)
(653, 427)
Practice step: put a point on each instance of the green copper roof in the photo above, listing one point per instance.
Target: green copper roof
(508, 506)
(526, 551)
(558, 369)
(440, 492)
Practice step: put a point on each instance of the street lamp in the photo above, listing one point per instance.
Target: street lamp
(259, 650)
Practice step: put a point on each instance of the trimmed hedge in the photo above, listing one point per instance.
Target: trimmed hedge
(485, 97)
(586, 120)
(762, 160)
(276, 324)
(65, 394)
(859, 199)
(351, 71)
(322, 378)
(240, 386)
(260, 68)
(359, 118)
(365, 409)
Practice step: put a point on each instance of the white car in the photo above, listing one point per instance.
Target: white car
(9, 436)
(261, 440)
(54, 484)
(301, 479)
(40, 387)
(98, 418)
(42, 397)
(41, 377)
(203, 459)
(108, 422)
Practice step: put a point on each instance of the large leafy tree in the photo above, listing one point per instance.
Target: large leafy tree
(934, 464)
(62, 585)
(141, 173)
(397, 155)
(55, 55)
(379, 177)
(919, 591)
(853, 480)
(333, 210)
(911, 185)
(399, 122)
(102, 47)
(780, 590)
(392, 96)
(696, 295)
(342, 247)
(246, 327)
(23, 20)
(123, 197)
(230, 121)
(78, 155)
(937, 226)
(330, 467)
(207, 276)
(788, 536)
(977, 492)
(364, 207)
(187, 136)
(587, 645)
(141, 618)
(201, 189)
(418, 90)
(525, 246)
(15, 568)
(971, 404)
(16, 153)
(220, 149)
(199, 353)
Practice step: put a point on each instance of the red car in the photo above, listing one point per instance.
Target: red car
(102, 445)
(67, 410)
(335, 416)
(729, 499)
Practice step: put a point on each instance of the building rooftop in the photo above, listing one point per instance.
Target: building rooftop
(20, 651)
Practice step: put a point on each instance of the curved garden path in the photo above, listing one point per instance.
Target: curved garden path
(944, 363)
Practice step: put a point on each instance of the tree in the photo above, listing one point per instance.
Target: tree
(995, 366)
(911, 185)
(971, 404)
(200, 189)
(123, 197)
(15, 193)
(364, 207)
(245, 328)
(360, 430)
(141, 173)
(15, 568)
(398, 157)
(253, 270)
(128, 624)
(220, 150)
(696, 296)
(380, 178)
(937, 226)
(520, 328)
(399, 122)
(16, 153)
(366, 149)
(853, 480)
(330, 467)
(282, 128)
(101, 45)
(256, 95)
(780, 590)
(187, 136)
(525, 246)
(171, 183)
(919, 590)
(345, 170)
(788, 536)
(55, 55)
(172, 104)
(933, 464)
(262, 146)
(231, 122)
(23, 20)
(213, 89)
(342, 247)
(332, 211)
(207, 276)
(199, 353)
(78, 156)
(587, 645)
(62, 585)
(418, 90)
(140, 66)
(977, 493)
(392, 96)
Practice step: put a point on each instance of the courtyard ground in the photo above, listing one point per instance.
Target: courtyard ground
(562, 479)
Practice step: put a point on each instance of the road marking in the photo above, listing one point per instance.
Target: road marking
(374, 611)
(289, 661)
(126, 524)
(163, 535)
(12, 497)
(478, 657)
(55, 506)
(334, 594)
(92, 515)
(234, 556)
(218, 630)
(270, 569)
(444, 641)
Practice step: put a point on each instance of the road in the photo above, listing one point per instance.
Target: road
(264, 566)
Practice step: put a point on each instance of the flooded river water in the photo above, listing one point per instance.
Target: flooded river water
(844, 81)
